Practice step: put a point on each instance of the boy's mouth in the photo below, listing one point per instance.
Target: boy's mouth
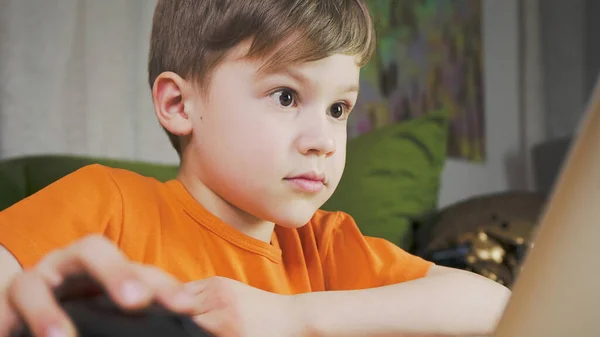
(311, 182)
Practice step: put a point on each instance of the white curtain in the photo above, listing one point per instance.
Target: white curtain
(74, 80)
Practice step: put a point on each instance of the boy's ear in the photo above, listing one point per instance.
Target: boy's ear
(169, 98)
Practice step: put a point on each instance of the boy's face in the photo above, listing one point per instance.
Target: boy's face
(272, 145)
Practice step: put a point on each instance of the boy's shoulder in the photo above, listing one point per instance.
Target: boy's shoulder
(104, 171)
(101, 172)
(106, 178)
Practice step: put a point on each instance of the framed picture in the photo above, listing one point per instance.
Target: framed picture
(428, 58)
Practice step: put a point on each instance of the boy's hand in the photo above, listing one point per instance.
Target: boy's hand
(228, 308)
(31, 294)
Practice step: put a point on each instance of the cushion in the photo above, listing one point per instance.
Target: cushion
(392, 177)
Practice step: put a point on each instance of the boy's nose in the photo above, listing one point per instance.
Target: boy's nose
(317, 138)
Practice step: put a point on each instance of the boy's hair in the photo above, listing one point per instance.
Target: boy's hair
(191, 37)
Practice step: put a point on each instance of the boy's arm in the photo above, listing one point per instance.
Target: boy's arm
(398, 294)
(447, 302)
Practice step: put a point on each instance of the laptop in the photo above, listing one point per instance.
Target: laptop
(557, 293)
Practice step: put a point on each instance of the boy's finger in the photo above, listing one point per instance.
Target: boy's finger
(103, 262)
(63, 265)
(169, 291)
(198, 286)
(46, 267)
(213, 323)
(201, 306)
(9, 320)
(177, 300)
(32, 297)
(155, 277)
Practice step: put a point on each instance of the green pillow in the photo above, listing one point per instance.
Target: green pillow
(392, 177)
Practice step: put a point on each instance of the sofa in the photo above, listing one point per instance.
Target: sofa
(391, 180)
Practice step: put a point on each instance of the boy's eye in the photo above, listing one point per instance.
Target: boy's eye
(285, 97)
(337, 110)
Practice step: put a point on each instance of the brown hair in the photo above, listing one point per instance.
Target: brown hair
(190, 37)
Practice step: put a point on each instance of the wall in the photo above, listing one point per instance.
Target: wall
(503, 168)
(571, 49)
(74, 80)
(563, 45)
(592, 40)
(542, 62)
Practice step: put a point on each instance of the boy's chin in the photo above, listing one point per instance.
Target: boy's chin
(294, 217)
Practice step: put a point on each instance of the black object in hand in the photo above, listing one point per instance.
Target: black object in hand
(98, 316)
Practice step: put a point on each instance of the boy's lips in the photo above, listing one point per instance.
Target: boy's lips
(311, 182)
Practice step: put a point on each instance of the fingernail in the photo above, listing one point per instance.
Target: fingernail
(54, 331)
(55, 279)
(133, 292)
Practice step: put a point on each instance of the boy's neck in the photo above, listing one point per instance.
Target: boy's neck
(228, 213)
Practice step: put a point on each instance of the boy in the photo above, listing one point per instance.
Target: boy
(254, 95)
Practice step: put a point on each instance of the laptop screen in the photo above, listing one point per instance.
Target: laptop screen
(558, 290)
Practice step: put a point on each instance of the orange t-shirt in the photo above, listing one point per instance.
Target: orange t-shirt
(161, 224)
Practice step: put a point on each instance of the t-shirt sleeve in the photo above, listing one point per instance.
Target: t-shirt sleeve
(84, 202)
(353, 261)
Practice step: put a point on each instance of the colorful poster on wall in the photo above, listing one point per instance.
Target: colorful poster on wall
(428, 58)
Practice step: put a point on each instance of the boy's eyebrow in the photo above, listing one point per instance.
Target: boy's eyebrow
(305, 81)
(351, 88)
